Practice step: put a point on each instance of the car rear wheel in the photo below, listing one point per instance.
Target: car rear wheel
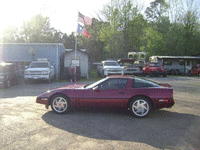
(7, 84)
(164, 75)
(140, 107)
(151, 74)
(60, 104)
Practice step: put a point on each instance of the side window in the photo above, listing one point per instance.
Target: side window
(167, 62)
(181, 62)
(114, 84)
(139, 83)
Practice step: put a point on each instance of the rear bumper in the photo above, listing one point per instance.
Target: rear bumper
(159, 72)
(133, 72)
(164, 103)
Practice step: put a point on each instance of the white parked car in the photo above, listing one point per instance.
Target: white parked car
(109, 67)
(39, 70)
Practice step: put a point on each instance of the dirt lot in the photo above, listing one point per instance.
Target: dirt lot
(27, 125)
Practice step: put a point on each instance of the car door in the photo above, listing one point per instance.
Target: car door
(110, 93)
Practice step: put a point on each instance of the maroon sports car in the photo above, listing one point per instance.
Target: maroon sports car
(138, 95)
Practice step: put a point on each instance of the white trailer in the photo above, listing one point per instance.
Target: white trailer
(176, 64)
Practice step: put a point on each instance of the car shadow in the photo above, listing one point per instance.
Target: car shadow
(162, 129)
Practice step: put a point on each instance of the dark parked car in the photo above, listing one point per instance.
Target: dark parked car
(8, 75)
(138, 95)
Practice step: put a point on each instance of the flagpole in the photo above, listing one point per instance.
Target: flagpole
(76, 50)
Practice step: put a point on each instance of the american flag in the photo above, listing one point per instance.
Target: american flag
(81, 18)
(85, 20)
(88, 21)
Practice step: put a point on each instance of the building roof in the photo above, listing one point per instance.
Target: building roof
(177, 57)
(60, 44)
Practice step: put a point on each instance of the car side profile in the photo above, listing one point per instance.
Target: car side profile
(154, 69)
(117, 92)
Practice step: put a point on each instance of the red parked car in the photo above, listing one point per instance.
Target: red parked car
(154, 69)
(116, 92)
(195, 70)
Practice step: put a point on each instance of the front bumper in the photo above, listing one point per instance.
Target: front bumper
(43, 100)
(36, 77)
(108, 72)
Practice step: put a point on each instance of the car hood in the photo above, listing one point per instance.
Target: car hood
(112, 67)
(37, 69)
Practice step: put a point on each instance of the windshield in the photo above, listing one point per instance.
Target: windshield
(154, 65)
(95, 84)
(111, 64)
(39, 65)
(126, 63)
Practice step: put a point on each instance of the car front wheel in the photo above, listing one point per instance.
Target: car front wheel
(140, 107)
(60, 104)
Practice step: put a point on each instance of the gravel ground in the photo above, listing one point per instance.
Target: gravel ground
(27, 125)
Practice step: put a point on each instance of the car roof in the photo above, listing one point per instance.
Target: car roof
(109, 61)
(126, 60)
(39, 61)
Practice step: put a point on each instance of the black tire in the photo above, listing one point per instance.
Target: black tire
(98, 74)
(156, 74)
(173, 72)
(26, 81)
(7, 84)
(165, 75)
(151, 74)
(60, 104)
(189, 73)
(49, 80)
(140, 107)
(143, 73)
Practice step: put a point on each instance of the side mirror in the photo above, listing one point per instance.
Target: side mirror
(96, 88)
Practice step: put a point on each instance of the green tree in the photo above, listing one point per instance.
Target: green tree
(157, 10)
(37, 30)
